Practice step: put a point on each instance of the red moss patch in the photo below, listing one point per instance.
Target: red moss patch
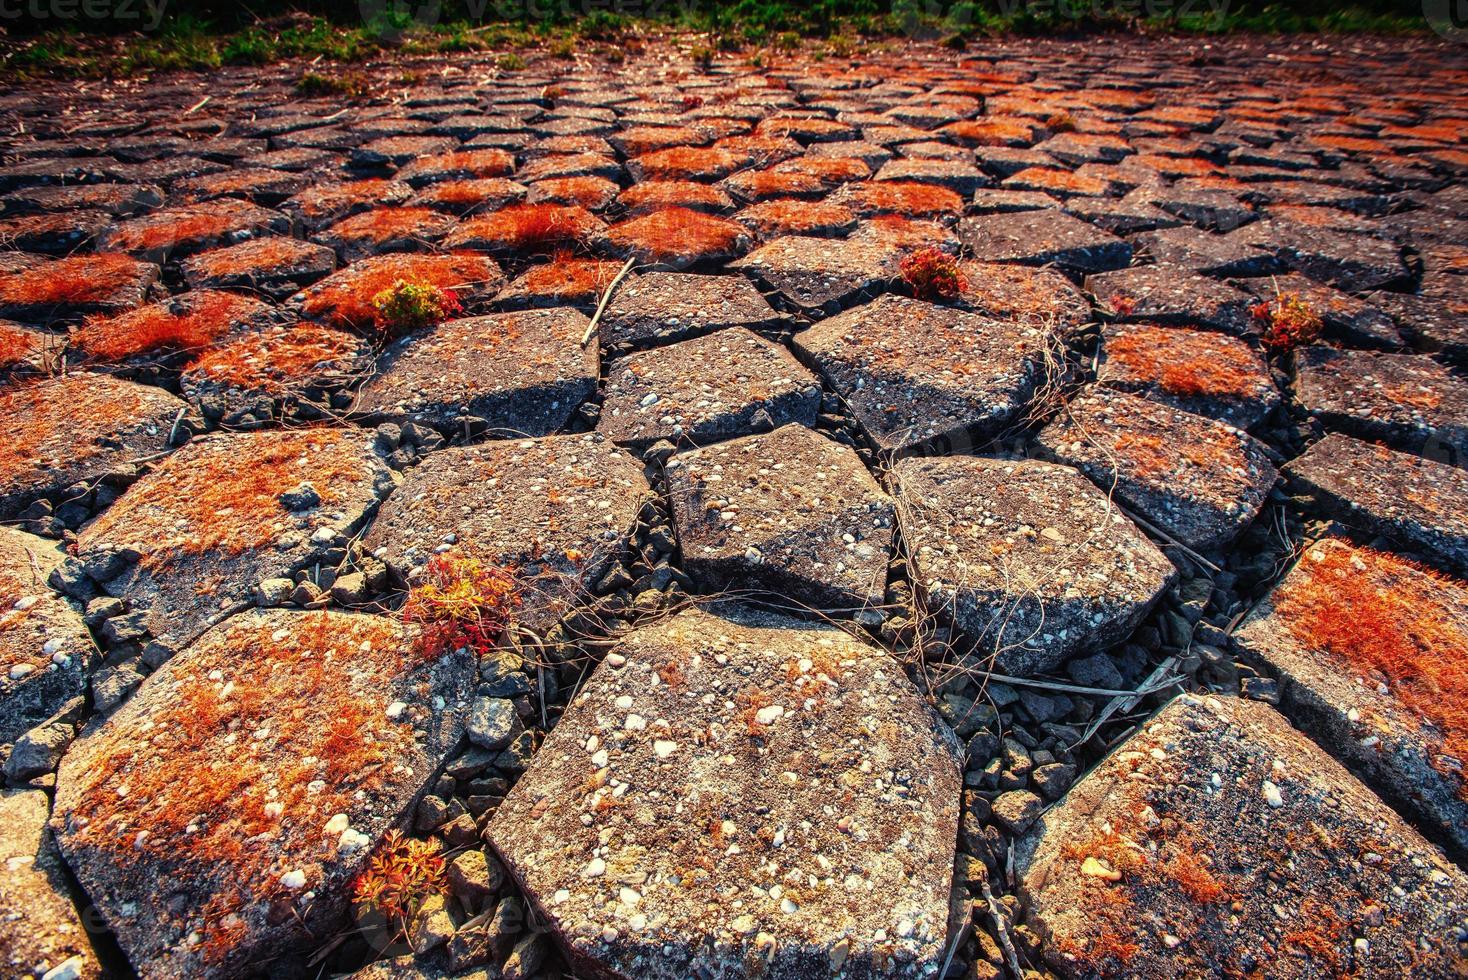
(905, 198)
(77, 281)
(991, 132)
(654, 195)
(687, 163)
(202, 318)
(1187, 364)
(382, 225)
(770, 219)
(345, 298)
(17, 345)
(249, 258)
(569, 278)
(189, 227)
(677, 234)
(587, 192)
(932, 273)
(527, 228)
(278, 361)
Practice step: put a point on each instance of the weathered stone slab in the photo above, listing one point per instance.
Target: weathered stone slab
(669, 306)
(316, 207)
(60, 233)
(682, 818)
(1370, 652)
(194, 537)
(1029, 295)
(1430, 323)
(913, 372)
(120, 200)
(1028, 559)
(1200, 481)
(1419, 503)
(1198, 371)
(46, 293)
(1165, 294)
(43, 935)
(1402, 398)
(723, 384)
(76, 428)
(1206, 253)
(560, 282)
(393, 229)
(789, 512)
(520, 373)
(1043, 238)
(555, 511)
(275, 266)
(218, 818)
(1176, 857)
(676, 238)
(818, 273)
(46, 653)
(1354, 263)
(177, 232)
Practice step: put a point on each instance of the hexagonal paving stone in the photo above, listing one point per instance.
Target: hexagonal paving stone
(464, 197)
(178, 232)
(316, 207)
(457, 165)
(520, 373)
(676, 238)
(1346, 318)
(1206, 253)
(76, 428)
(1028, 559)
(1042, 238)
(820, 274)
(188, 542)
(344, 298)
(510, 232)
(555, 512)
(789, 512)
(46, 653)
(44, 936)
(1370, 652)
(121, 200)
(728, 383)
(1164, 294)
(1402, 398)
(913, 372)
(559, 282)
(907, 198)
(1200, 481)
(668, 306)
(1120, 217)
(641, 830)
(1429, 323)
(54, 234)
(962, 178)
(1418, 503)
(654, 195)
(47, 293)
(400, 229)
(222, 852)
(1196, 370)
(159, 337)
(1017, 292)
(1172, 859)
(276, 266)
(1354, 263)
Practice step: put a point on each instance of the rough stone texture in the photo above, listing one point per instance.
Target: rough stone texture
(174, 233)
(346, 718)
(556, 511)
(1028, 559)
(1042, 238)
(1016, 292)
(1207, 879)
(45, 293)
(46, 653)
(1418, 503)
(820, 274)
(79, 428)
(643, 831)
(276, 267)
(1200, 481)
(1354, 263)
(42, 931)
(913, 372)
(1198, 371)
(1206, 253)
(1162, 294)
(190, 540)
(669, 306)
(723, 384)
(1431, 324)
(520, 373)
(789, 512)
(1402, 398)
(1327, 630)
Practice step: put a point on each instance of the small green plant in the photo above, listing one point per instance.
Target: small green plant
(408, 305)
(352, 84)
(511, 62)
(564, 48)
(932, 274)
(400, 877)
(703, 56)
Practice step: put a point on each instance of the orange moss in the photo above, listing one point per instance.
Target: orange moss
(687, 163)
(469, 194)
(386, 224)
(1322, 936)
(277, 361)
(655, 194)
(206, 317)
(1382, 615)
(828, 170)
(488, 162)
(1415, 395)
(783, 216)
(565, 276)
(676, 232)
(906, 198)
(81, 279)
(529, 227)
(37, 414)
(16, 345)
(183, 226)
(588, 192)
(1185, 363)
(1058, 179)
(757, 185)
(259, 254)
(345, 298)
(990, 132)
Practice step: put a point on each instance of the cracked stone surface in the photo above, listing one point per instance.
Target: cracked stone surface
(50, 936)
(1028, 559)
(727, 730)
(1198, 371)
(789, 512)
(1043, 238)
(819, 273)
(669, 306)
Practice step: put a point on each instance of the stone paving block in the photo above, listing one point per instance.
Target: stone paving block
(911, 199)
(1058, 182)
(790, 513)
(50, 292)
(1120, 217)
(676, 238)
(1369, 650)
(472, 164)
(161, 336)
(555, 511)
(1417, 503)
(1405, 399)
(1206, 253)
(914, 373)
(260, 185)
(1353, 263)
(1429, 323)
(1180, 855)
(1200, 481)
(46, 653)
(54, 233)
(44, 936)
(1029, 295)
(962, 178)
(990, 200)
(119, 200)
(1214, 210)
(77, 429)
(190, 541)
(519, 373)
(819, 274)
(1042, 238)
(559, 282)
(277, 267)
(1197, 371)
(1164, 294)
(475, 196)
(1028, 559)
(669, 306)
(178, 232)
(674, 878)
(787, 216)
(316, 207)
(400, 229)
(222, 852)
(521, 228)
(716, 386)
(655, 195)
(344, 298)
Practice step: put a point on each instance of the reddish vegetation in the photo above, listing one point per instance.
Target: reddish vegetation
(206, 317)
(1385, 616)
(1288, 322)
(990, 132)
(461, 603)
(899, 197)
(487, 162)
(42, 415)
(183, 226)
(756, 150)
(687, 163)
(16, 345)
(677, 232)
(277, 361)
(568, 277)
(587, 192)
(787, 217)
(78, 280)
(468, 195)
(345, 298)
(757, 185)
(411, 305)
(1323, 935)
(387, 224)
(401, 876)
(932, 274)
(655, 194)
(828, 170)
(1186, 363)
(528, 227)
(256, 255)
